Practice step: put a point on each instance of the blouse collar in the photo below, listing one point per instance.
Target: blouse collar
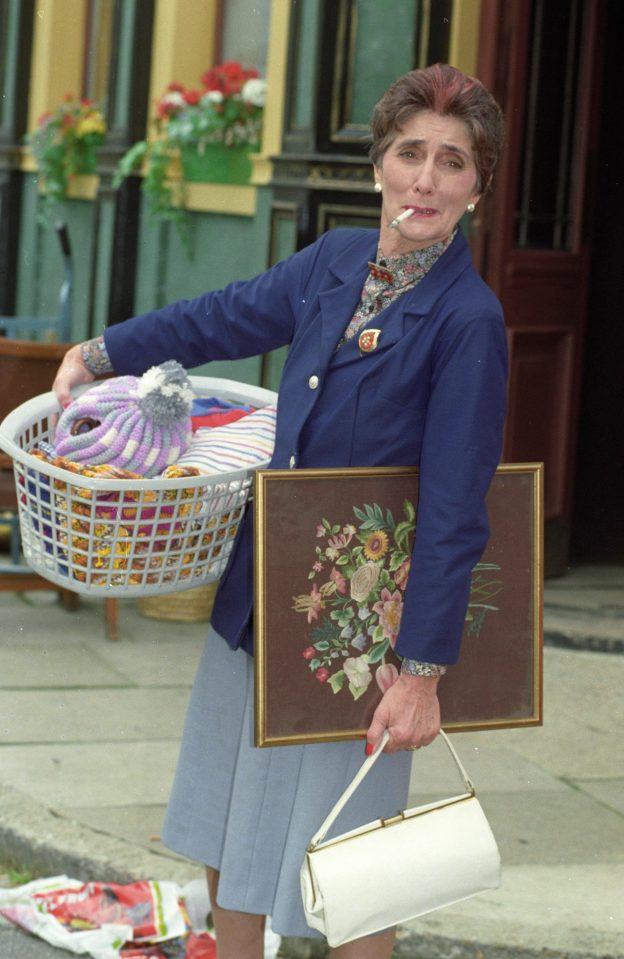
(407, 268)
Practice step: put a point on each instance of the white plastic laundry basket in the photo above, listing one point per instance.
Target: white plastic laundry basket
(119, 537)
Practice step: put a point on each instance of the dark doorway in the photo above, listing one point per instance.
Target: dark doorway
(598, 515)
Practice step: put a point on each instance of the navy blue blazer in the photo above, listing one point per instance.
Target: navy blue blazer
(432, 394)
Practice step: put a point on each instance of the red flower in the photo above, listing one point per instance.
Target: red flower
(192, 97)
(228, 77)
(211, 80)
(233, 76)
(309, 652)
(322, 674)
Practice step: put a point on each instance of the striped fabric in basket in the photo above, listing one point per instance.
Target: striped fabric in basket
(246, 443)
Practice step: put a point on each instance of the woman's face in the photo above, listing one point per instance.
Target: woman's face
(430, 169)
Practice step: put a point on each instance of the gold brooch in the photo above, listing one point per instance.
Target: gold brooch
(368, 340)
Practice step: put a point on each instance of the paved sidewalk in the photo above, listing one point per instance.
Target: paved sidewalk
(89, 734)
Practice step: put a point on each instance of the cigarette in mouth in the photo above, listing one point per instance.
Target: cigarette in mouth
(399, 219)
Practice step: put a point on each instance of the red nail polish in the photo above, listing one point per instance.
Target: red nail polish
(368, 749)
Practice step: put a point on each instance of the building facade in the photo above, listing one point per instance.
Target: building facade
(546, 239)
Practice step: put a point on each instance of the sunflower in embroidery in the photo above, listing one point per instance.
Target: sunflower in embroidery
(376, 545)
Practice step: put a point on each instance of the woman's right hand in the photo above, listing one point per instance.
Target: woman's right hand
(72, 372)
(410, 711)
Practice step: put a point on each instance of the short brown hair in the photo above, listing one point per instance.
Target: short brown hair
(449, 92)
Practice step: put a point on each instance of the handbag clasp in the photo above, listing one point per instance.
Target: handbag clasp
(391, 820)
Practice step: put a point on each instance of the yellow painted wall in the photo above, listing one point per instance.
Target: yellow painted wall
(58, 45)
(464, 45)
(183, 43)
(276, 84)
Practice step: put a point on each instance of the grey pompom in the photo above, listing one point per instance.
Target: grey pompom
(164, 394)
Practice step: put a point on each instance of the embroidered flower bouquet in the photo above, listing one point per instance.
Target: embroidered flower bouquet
(356, 601)
(354, 608)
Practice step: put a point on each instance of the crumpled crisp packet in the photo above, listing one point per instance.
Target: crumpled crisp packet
(140, 920)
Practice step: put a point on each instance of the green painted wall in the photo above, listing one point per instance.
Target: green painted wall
(225, 248)
(40, 263)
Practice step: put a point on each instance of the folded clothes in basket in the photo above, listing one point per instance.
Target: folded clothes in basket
(108, 529)
(113, 505)
(243, 444)
(210, 412)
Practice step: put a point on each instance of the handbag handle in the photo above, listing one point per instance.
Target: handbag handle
(361, 773)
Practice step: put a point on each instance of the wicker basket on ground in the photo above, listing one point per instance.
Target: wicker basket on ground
(189, 606)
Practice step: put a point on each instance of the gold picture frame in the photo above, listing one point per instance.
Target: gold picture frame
(316, 645)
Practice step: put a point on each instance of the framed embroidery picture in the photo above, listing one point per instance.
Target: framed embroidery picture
(333, 550)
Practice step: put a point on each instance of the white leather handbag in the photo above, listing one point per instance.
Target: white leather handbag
(396, 869)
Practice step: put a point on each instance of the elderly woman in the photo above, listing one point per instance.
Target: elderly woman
(396, 357)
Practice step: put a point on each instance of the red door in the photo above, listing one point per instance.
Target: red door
(541, 60)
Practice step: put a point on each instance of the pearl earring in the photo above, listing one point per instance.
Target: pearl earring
(377, 187)
(470, 208)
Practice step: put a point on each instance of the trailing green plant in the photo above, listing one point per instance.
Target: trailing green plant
(64, 146)
(165, 200)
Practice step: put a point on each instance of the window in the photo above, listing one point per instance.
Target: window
(244, 32)
(544, 204)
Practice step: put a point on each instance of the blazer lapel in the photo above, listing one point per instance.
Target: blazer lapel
(422, 299)
(337, 305)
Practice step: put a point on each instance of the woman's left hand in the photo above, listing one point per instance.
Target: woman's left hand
(72, 372)
(410, 711)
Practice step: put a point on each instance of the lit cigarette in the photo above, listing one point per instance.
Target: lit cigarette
(399, 219)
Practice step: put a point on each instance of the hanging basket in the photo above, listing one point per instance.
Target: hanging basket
(217, 163)
(86, 162)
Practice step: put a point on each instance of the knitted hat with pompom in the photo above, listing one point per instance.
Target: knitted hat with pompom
(142, 424)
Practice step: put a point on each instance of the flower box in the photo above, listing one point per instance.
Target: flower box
(213, 129)
(217, 163)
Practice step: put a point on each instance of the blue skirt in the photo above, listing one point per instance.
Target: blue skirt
(251, 812)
